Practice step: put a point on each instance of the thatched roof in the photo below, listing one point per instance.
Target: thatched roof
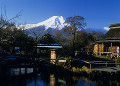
(48, 42)
(113, 33)
(47, 39)
(115, 25)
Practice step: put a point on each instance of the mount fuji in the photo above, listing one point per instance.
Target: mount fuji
(48, 26)
(56, 22)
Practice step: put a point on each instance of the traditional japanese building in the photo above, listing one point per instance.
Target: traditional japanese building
(47, 47)
(109, 44)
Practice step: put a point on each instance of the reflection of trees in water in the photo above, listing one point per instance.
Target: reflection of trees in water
(101, 82)
(66, 80)
(107, 82)
(16, 81)
(45, 77)
(82, 81)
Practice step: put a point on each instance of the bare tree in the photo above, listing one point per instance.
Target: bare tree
(6, 25)
(59, 36)
(74, 24)
(9, 32)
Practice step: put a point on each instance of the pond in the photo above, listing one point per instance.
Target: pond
(19, 77)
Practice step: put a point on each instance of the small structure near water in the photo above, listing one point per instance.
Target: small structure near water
(47, 47)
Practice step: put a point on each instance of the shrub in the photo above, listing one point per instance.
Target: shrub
(77, 70)
(117, 60)
(66, 64)
(73, 69)
(86, 69)
(103, 57)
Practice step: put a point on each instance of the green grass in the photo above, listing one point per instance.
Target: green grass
(117, 61)
(104, 57)
(101, 56)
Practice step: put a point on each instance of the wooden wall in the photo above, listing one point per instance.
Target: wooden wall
(100, 48)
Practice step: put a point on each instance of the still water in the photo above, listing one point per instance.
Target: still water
(19, 77)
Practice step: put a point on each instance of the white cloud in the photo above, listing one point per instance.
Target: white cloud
(106, 28)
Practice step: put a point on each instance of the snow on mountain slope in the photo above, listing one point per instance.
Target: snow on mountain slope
(55, 22)
(50, 26)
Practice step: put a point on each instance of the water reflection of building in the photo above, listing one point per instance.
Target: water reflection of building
(47, 47)
(52, 80)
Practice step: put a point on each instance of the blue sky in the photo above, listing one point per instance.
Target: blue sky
(97, 13)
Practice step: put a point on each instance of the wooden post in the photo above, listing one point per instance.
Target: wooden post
(111, 50)
(90, 67)
(107, 54)
(100, 53)
(106, 63)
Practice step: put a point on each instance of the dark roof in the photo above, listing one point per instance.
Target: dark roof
(47, 39)
(115, 24)
(104, 41)
(112, 34)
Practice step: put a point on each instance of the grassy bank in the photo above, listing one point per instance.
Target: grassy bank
(84, 71)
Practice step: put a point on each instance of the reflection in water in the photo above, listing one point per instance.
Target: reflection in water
(62, 81)
(14, 71)
(50, 79)
(19, 71)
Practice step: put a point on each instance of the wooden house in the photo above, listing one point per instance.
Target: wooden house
(109, 44)
(47, 47)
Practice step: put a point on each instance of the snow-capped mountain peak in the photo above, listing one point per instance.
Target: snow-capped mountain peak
(55, 22)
